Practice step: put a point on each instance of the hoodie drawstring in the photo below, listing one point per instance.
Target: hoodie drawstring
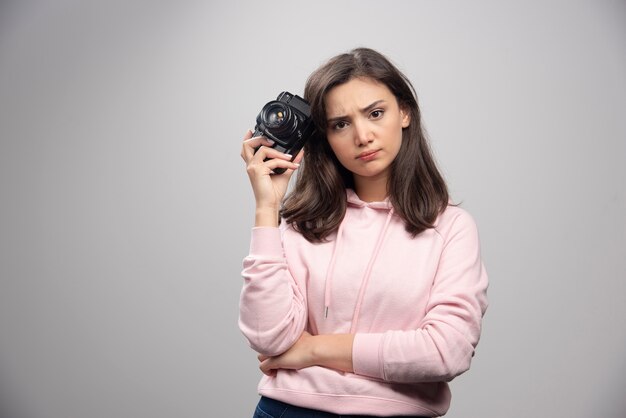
(331, 270)
(366, 275)
(368, 272)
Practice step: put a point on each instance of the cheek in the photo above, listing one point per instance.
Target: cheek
(398, 142)
(339, 149)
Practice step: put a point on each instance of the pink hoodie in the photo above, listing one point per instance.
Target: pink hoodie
(415, 306)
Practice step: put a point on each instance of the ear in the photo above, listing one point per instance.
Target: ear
(406, 117)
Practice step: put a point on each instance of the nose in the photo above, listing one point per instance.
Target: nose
(362, 134)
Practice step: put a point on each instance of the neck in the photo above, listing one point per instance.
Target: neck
(371, 189)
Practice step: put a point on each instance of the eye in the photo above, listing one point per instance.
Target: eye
(337, 126)
(377, 114)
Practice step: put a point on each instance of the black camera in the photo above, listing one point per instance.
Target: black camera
(286, 121)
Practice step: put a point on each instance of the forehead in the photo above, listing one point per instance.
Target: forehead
(356, 94)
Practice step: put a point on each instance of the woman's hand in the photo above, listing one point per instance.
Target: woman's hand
(333, 351)
(299, 356)
(269, 189)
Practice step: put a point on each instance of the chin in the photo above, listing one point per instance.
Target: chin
(373, 172)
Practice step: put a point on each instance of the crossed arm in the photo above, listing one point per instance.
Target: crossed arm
(333, 351)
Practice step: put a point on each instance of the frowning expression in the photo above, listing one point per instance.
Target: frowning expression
(365, 125)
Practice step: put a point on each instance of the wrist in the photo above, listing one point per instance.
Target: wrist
(316, 348)
(333, 351)
(266, 216)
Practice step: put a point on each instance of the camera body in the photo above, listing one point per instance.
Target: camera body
(286, 121)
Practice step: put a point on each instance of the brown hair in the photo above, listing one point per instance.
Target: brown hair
(417, 190)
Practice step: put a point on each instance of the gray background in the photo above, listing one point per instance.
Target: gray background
(125, 208)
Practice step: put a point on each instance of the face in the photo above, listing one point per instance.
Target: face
(365, 127)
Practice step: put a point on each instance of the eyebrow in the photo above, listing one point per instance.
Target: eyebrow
(364, 110)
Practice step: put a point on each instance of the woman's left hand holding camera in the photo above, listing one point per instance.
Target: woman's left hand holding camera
(269, 189)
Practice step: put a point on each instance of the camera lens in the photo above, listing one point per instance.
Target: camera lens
(279, 119)
(275, 116)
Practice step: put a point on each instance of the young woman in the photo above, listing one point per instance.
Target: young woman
(368, 295)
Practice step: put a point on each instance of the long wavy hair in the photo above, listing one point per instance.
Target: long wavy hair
(416, 189)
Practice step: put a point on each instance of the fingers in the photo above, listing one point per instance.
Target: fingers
(294, 164)
(266, 367)
(269, 158)
(251, 143)
(249, 134)
(262, 159)
(265, 153)
(259, 147)
(259, 169)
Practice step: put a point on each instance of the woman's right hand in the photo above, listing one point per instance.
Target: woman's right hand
(269, 188)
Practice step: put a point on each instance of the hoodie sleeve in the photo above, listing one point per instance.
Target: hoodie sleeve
(443, 345)
(272, 310)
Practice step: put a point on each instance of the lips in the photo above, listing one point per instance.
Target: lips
(367, 155)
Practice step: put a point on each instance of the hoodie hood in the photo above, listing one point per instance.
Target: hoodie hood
(354, 200)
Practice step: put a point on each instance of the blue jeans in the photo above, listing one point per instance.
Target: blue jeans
(271, 408)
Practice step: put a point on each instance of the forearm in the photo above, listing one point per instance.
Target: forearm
(334, 351)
